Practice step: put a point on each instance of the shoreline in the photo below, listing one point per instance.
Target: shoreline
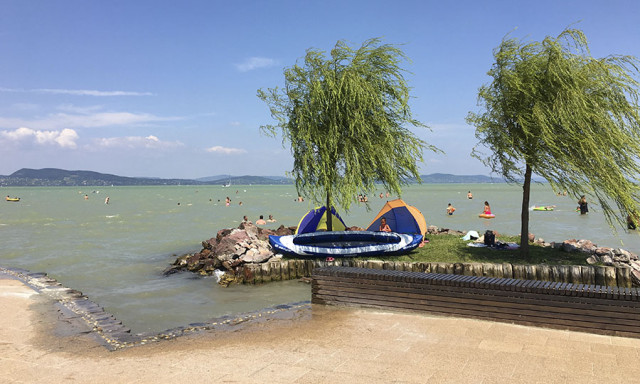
(86, 317)
(332, 344)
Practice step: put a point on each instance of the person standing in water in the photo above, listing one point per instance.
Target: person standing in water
(582, 205)
(450, 209)
(469, 195)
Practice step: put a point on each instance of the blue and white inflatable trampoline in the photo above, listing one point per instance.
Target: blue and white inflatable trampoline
(345, 244)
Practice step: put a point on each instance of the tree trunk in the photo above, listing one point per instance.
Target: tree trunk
(329, 215)
(524, 218)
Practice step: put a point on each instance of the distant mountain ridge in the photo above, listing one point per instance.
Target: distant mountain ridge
(445, 178)
(61, 177)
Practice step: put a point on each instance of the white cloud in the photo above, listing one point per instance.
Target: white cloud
(79, 110)
(256, 62)
(225, 150)
(136, 142)
(85, 119)
(65, 138)
(78, 92)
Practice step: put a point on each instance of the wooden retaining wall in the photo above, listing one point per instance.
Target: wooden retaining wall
(575, 274)
(587, 308)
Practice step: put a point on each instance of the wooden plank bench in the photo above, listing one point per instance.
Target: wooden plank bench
(580, 307)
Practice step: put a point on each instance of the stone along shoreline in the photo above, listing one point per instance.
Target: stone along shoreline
(244, 255)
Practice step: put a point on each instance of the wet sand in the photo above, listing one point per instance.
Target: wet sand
(322, 345)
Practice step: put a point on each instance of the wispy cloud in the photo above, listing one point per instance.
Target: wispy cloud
(255, 63)
(78, 92)
(70, 108)
(65, 138)
(85, 119)
(225, 150)
(136, 142)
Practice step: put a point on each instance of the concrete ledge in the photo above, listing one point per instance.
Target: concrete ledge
(583, 307)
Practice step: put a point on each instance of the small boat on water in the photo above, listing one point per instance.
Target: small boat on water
(13, 199)
(345, 244)
(544, 208)
(487, 215)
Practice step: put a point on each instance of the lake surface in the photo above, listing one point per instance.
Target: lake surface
(115, 253)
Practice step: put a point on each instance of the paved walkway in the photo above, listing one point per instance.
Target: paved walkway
(331, 345)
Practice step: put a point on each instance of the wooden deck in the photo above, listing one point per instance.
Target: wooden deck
(588, 308)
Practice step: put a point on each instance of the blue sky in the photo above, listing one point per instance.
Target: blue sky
(168, 88)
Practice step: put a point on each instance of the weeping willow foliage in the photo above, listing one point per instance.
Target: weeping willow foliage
(555, 111)
(345, 118)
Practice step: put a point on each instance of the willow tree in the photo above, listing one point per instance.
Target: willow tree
(345, 117)
(555, 111)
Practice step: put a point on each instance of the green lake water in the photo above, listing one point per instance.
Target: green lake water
(115, 253)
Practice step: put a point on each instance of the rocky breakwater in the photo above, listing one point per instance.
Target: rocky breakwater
(230, 251)
(614, 257)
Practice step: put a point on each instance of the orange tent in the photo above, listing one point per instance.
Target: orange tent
(401, 218)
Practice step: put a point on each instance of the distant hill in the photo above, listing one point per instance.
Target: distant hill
(445, 178)
(245, 180)
(251, 180)
(213, 178)
(60, 177)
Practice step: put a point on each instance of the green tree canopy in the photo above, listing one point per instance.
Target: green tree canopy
(554, 110)
(345, 116)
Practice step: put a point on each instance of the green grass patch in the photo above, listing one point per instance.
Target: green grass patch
(452, 249)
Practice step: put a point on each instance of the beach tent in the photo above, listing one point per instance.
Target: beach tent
(316, 220)
(401, 218)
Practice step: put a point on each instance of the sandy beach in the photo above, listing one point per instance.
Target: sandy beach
(324, 345)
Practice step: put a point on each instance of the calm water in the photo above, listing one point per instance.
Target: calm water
(115, 253)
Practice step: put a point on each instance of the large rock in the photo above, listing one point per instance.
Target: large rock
(593, 259)
(285, 231)
(606, 260)
(227, 244)
(257, 255)
(635, 277)
(586, 246)
(250, 229)
(570, 245)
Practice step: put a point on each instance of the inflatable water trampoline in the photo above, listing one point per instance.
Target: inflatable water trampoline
(345, 244)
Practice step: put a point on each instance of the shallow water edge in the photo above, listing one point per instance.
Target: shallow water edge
(81, 312)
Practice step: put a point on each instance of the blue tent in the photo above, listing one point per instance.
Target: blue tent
(316, 220)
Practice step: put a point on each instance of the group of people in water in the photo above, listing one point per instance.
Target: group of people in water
(486, 210)
(362, 198)
(583, 208)
(260, 221)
